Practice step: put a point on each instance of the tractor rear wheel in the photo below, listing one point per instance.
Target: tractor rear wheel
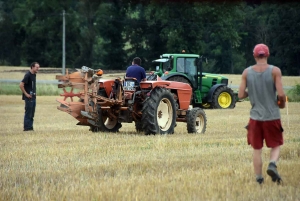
(196, 121)
(223, 98)
(159, 114)
(179, 79)
(139, 126)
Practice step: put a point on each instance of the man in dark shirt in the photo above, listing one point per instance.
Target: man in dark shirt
(136, 71)
(28, 88)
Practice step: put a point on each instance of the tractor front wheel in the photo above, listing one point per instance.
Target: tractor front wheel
(223, 98)
(159, 114)
(196, 121)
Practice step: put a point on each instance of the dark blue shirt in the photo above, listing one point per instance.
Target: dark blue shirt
(136, 71)
(29, 84)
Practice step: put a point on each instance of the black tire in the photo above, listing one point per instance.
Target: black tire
(94, 129)
(139, 126)
(223, 98)
(159, 114)
(179, 79)
(196, 121)
(102, 92)
(105, 124)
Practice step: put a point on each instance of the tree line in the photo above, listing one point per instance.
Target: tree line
(108, 34)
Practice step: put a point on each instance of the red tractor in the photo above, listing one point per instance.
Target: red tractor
(154, 105)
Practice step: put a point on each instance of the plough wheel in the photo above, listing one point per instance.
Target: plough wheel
(104, 123)
(69, 94)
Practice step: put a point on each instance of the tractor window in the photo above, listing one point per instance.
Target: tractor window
(190, 67)
(180, 65)
(191, 70)
(166, 66)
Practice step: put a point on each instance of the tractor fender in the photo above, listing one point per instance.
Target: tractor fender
(212, 90)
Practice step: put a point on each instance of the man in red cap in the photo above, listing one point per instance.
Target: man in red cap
(262, 84)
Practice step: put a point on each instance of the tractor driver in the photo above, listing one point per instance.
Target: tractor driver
(136, 71)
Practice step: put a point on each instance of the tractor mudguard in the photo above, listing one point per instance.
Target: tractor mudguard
(212, 90)
(106, 85)
(183, 90)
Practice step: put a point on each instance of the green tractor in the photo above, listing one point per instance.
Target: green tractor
(209, 90)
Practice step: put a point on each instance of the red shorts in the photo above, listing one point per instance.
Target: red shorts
(270, 131)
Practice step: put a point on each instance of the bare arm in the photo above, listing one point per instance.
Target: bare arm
(144, 75)
(23, 90)
(279, 88)
(242, 89)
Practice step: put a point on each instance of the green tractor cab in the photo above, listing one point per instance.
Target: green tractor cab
(209, 90)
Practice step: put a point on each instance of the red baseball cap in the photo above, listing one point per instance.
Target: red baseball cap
(261, 50)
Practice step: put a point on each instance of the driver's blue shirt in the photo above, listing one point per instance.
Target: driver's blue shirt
(136, 71)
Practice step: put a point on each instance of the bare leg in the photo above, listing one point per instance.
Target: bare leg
(274, 154)
(272, 168)
(257, 161)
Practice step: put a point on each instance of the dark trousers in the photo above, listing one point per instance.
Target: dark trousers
(29, 113)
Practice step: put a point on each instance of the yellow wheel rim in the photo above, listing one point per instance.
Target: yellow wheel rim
(224, 99)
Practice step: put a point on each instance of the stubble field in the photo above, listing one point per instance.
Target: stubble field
(62, 161)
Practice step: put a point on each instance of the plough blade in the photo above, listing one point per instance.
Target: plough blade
(92, 122)
(72, 108)
(86, 114)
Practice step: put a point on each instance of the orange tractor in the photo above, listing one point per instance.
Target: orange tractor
(154, 105)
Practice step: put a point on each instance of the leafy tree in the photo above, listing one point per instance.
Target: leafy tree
(40, 42)
(108, 34)
(11, 36)
(285, 37)
(111, 30)
(86, 21)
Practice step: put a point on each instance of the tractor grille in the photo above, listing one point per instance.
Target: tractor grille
(224, 81)
(214, 81)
